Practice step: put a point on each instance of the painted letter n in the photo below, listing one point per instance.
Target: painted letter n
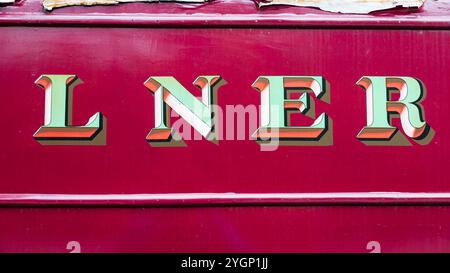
(169, 93)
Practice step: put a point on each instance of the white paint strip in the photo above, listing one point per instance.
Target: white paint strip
(348, 6)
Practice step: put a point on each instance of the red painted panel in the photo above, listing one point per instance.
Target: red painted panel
(114, 62)
(227, 229)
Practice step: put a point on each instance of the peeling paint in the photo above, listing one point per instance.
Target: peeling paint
(51, 4)
(346, 6)
(340, 6)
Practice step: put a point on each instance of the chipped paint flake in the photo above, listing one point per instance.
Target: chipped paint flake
(51, 4)
(347, 6)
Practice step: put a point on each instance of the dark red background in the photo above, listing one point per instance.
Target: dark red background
(114, 62)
